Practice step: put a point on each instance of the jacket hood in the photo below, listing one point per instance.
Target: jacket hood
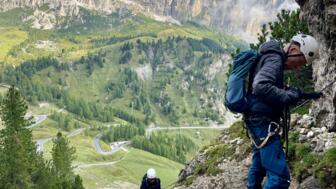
(272, 47)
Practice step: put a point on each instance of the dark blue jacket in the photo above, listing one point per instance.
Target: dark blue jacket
(268, 93)
(150, 185)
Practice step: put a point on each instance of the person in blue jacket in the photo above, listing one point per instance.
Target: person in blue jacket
(270, 98)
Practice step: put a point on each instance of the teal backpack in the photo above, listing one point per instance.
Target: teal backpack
(235, 95)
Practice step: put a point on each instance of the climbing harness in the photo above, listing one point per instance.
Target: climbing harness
(269, 135)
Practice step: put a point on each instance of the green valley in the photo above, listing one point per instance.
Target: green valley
(96, 72)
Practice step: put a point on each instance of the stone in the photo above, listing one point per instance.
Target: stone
(331, 135)
(319, 146)
(316, 130)
(303, 131)
(235, 141)
(305, 116)
(306, 121)
(310, 134)
(302, 138)
(329, 144)
(313, 143)
(310, 183)
(240, 141)
(247, 162)
(237, 152)
(294, 119)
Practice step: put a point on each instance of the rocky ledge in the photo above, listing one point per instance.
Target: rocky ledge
(225, 163)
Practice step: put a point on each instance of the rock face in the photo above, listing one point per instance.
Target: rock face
(233, 177)
(318, 138)
(321, 16)
(42, 20)
(241, 17)
(223, 164)
(232, 172)
(233, 166)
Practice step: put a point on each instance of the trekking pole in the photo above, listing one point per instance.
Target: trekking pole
(306, 101)
(300, 105)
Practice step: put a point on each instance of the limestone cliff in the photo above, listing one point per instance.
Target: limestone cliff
(321, 16)
(241, 17)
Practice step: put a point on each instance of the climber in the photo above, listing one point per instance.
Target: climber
(150, 181)
(269, 98)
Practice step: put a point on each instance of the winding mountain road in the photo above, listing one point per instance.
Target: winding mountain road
(152, 129)
(40, 142)
(100, 151)
(148, 132)
(37, 120)
(120, 145)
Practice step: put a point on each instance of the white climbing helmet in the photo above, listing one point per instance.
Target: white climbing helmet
(151, 173)
(308, 46)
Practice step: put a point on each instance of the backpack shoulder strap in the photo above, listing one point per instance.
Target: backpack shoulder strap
(259, 64)
(256, 67)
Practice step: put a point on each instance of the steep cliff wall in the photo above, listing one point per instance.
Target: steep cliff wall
(321, 16)
(241, 17)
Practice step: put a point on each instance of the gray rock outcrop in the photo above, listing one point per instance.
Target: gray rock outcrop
(321, 16)
(232, 172)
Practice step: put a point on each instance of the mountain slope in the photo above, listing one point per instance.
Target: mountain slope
(98, 70)
(142, 70)
(242, 17)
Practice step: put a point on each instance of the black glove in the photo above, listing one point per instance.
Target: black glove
(313, 95)
(295, 95)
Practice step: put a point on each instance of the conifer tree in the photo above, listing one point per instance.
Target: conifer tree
(262, 37)
(288, 24)
(18, 159)
(62, 156)
(44, 176)
(78, 184)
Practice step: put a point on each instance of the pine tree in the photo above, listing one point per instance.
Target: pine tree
(287, 25)
(44, 176)
(78, 183)
(62, 157)
(262, 37)
(18, 159)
